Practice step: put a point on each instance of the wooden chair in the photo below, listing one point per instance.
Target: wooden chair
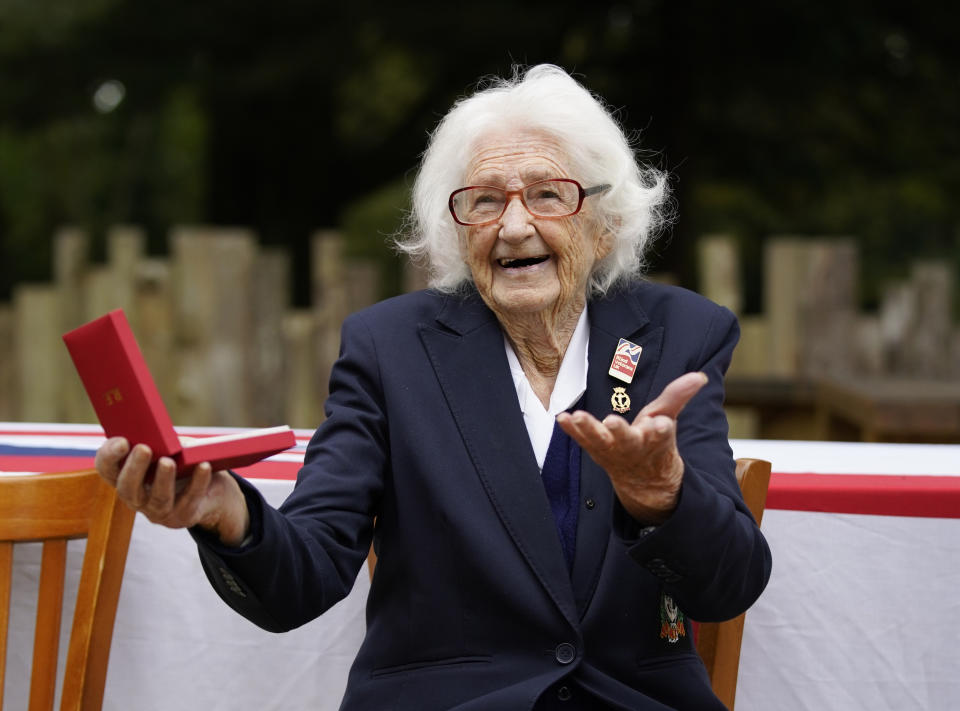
(718, 643)
(53, 508)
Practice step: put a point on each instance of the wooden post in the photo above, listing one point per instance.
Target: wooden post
(752, 355)
(112, 286)
(98, 293)
(928, 342)
(213, 310)
(868, 346)
(810, 301)
(40, 353)
(126, 246)
(898, 307)
(719, 269)
(70, 259)
(303, 405)
(363, 284)
(330, 302)
(915, 323)
(750, 359)
(9, 378)
(70, 262)
(271, 279)
(829, 313)
(153, 305)
(783, 282)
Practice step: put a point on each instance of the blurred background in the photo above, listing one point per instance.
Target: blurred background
(230, 172)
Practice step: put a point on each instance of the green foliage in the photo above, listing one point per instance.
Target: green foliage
(96, 171)
(28, 24)
(791, 117)
(378, 92)
(369, 225)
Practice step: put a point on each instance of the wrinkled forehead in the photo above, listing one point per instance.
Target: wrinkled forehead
(512, 158)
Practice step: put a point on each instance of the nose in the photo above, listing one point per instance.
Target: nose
(516, 223)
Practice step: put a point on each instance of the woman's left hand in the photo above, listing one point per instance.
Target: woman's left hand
(641, 458)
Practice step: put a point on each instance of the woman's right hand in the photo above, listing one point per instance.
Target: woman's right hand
(209, 499)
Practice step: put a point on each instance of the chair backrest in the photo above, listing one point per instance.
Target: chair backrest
(718, 643)
(54, 508)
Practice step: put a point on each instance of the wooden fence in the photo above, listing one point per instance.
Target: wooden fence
(226, 348)
(812, 352)
(213, 320)
(811, 324)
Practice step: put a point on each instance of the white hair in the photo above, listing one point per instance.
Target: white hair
(547, 99)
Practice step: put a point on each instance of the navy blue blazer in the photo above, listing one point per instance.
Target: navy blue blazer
(472, 605)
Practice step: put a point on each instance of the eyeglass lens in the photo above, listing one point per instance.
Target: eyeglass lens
(549, 198)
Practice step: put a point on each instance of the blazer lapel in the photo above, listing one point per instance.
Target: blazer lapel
(467, 354)
(613, 318)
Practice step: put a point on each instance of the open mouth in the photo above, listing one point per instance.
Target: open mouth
(524, 262)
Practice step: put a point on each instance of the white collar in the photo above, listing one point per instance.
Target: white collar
(571, 383)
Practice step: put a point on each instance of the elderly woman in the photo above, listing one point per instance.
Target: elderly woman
(536, 446)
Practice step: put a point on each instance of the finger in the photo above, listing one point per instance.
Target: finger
(586, 430)
(616, 425)
(626, 436)
(662, 426)
(675, 396)
(161, 494)
(130, 480)
(632, 441)
(109, 458)
(656, 430)
(574, 428)
(189, 505)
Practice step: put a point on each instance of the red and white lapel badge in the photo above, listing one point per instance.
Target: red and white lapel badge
(622, 367)
(625, 359)
(671, 620)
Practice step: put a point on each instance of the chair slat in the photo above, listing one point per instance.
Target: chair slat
(46, 639)
(99, 591)
(6, 581)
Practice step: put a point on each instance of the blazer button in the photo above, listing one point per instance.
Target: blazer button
(590, 504)
(564, 694)
(565, 652)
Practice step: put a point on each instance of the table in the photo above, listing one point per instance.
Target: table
(860, 613)
(889, 409)
(784, 407)
(854, 408)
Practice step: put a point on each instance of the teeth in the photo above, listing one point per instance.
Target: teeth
(521, 262)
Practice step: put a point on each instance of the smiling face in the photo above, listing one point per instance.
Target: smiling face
(525, 265)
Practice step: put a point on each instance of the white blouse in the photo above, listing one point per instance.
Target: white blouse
(570, 385)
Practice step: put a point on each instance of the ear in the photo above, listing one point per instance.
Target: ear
(604, 245)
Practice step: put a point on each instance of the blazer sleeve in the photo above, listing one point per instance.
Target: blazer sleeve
(305, 556)
(710, 554)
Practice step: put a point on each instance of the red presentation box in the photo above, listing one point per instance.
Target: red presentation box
(128, 404)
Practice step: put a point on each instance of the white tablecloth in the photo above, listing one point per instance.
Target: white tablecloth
(862, 612)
